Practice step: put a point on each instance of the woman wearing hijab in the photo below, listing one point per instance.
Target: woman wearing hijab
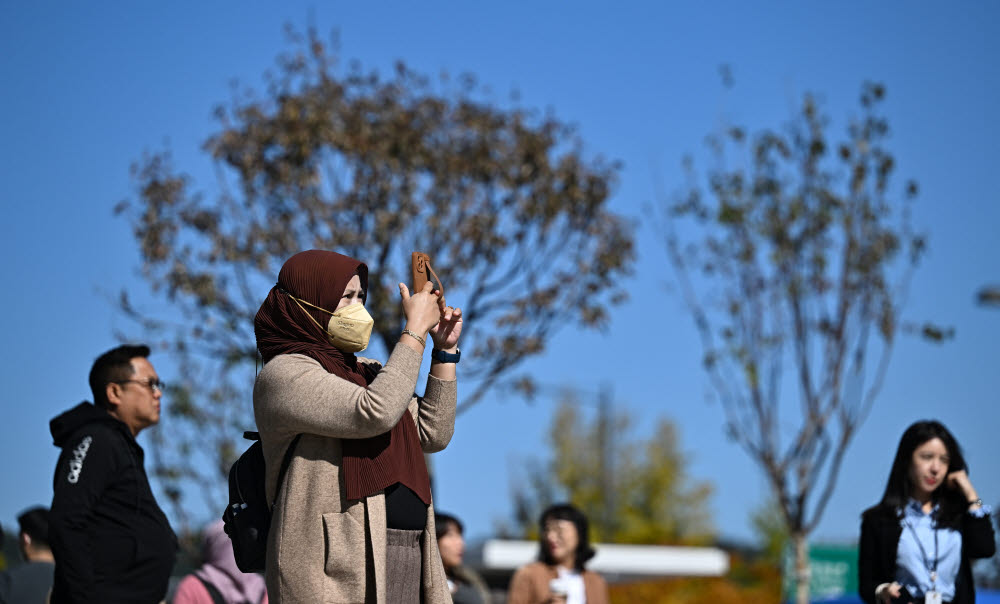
(917, 543)
(353, 521)
(218, 579)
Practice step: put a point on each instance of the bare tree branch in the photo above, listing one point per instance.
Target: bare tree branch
(503, 199)
(798, 257)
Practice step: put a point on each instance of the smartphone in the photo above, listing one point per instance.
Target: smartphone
(423, 272)
(558, 588)
(419, 262)
(905, 597)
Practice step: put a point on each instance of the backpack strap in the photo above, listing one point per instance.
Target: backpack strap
(287, 459)
(213, 591)
(284, 466)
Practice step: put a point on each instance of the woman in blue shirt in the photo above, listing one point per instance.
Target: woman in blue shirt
(917, 543)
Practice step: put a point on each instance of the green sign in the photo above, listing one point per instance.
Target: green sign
(833, 572)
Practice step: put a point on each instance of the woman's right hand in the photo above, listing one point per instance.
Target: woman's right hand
(887, 592)
(959, 480)
(422, 309)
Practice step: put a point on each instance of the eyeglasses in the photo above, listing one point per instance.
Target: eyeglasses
(153, 384)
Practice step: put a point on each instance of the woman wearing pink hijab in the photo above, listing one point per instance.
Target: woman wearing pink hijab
(218, 579)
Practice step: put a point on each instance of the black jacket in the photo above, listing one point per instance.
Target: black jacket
(880, 532)
(111, 541)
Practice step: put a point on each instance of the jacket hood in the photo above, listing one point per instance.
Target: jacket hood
(65, 424)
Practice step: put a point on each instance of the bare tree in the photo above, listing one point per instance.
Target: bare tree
(796, 258)
(513, 214)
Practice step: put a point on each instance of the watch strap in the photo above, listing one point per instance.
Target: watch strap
(446, 357)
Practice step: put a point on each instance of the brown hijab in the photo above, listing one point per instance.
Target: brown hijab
(320, 278)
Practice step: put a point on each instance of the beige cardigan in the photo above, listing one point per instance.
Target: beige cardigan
(321, 547)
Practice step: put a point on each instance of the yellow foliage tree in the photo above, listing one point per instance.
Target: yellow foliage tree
(633, 490)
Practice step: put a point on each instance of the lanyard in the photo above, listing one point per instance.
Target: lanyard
(931, 568)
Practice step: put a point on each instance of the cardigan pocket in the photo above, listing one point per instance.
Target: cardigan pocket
(344, 537)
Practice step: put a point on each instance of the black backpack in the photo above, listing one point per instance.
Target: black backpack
(248, 516)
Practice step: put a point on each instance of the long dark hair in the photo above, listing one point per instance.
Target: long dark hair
(443, 523)
(566, 511)
(898, 489)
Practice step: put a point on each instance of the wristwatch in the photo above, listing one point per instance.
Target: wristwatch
(446, 357)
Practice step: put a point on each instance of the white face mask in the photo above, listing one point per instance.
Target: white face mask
(349, 328)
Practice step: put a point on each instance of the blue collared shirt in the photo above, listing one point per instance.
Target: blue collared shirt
(916, 553)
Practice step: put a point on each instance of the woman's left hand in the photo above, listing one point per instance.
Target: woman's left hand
(446, 333)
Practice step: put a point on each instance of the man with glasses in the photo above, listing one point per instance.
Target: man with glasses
(111, 540)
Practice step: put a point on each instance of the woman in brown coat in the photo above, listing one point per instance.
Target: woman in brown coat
(559, 576)
(353, 521)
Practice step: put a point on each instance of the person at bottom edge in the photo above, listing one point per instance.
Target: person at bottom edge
(30, 582)
(465, 585)
(917, 542)
(218, 580)
(559, 576)
(111, 541)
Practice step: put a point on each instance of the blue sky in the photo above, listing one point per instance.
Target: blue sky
(88, 87)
